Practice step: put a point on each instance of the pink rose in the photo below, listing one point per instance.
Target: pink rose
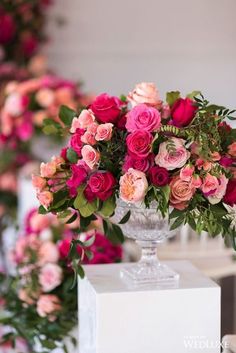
(25, 130)
(48, 170)
(45, 198)
(48, 304)
(181, 192)
(186, 173)
(172, 160)
(38, 222)
(104, 132)
(142, 164)
(183, 111)
(102, 184)
(27, 296)
(143, 117)
(133, 186)
(45, 97)
(15, 104)
(48, 252)
(106, 108)
(8, 28)
(76, 142)
(50, 277)
(139, 143)
(210, 184)
(159, 176)
(220, 191)
(85, 119)
(64, 247)
(90, 156)
(38, 182)
(196, 181)
(145, 92)
(8, 182)
(88, 138)
(92, 128)
(78, 177)
(232, 149)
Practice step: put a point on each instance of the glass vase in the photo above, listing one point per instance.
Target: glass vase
(148, 228)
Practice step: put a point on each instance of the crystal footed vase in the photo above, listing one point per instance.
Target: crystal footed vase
(148, 228)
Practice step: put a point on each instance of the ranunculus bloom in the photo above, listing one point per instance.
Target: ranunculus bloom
(218, 194)
(45, 198)
(106, 108)
(181, 193)
(133, 186)
(8, 28)
(143, 117)
(38, 182)
(230, 195)
(48, 252)
(45, 97)
(232, 149)
(90, 156)
(183, 111)
(76, 142)
(50, 277)
(186, 172)
(48, 304)
(102, 184)
(175, 159)
(79, 175)
(158, 176)
(139, 143)
(145, 92)
(48, 170)
(104, 132)
(142, 164)
(210, 184)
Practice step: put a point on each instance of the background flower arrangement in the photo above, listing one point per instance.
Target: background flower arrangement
(39, 300)
(180, 154)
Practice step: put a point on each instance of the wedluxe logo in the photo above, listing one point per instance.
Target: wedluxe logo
(198, 343)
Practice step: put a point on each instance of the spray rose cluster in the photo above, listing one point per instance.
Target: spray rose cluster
(180, 154)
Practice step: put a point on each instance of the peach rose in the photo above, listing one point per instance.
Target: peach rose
(145, 92)
(45, 198)
(90, 156)
(50, 277)
(175, 159)
(186, 173)
(133, 186)
(38, 182)
(232, 149)
(47, 170)
(104, 132)
(210, 184)
(88, 138)
(48, 304)
(181, 192)
(220, 191)
(64, 96)
(48, 252)
(45, 97)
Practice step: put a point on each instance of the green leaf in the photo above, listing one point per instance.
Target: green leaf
(89, 242)
(166, 192)
(59, 198)
(108, 207)
(71, 155)
(193, 94)
(42, 210)
(177, 222)
(66, 115)
(48, 344)
(88, 209)
(175, 213)
(125, 218)
(80, 200)
(115, 234)
(218, 210)
(171, 97)
(50, 130)
(81, 272)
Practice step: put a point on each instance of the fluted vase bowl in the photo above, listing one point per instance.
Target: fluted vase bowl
(148, 228)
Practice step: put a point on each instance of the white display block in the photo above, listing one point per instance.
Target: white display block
(117, 318)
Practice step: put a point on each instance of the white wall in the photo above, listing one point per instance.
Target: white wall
(178, 44)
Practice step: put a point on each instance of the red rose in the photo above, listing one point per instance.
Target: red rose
(75, 141)
(139, 143)
(142, 164)
(7, 28)
(102, 184)
(183, 111)
(106, 108)
(230, 195)
(159, 176)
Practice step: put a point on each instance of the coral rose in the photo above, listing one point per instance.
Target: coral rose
(133, 186)
(181, 192)
(175, 158)
(143, 117)
(145, 92)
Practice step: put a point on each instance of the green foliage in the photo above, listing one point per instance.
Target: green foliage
(171, 97)
(66, 115)
(72, 155)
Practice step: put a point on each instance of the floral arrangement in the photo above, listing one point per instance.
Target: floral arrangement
(39, 300)
(180, 154)
(21, 25)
